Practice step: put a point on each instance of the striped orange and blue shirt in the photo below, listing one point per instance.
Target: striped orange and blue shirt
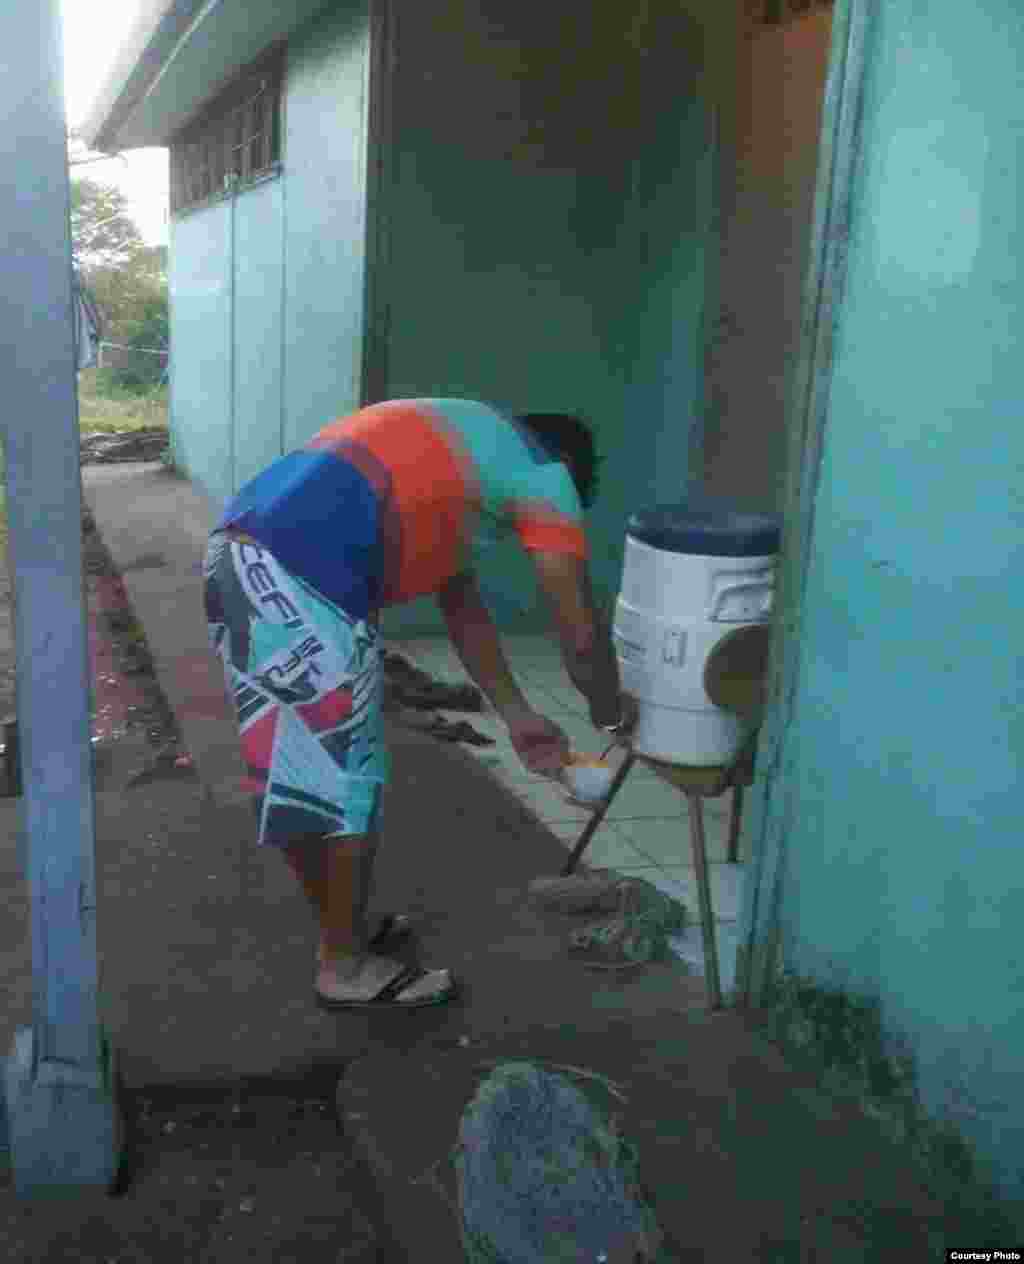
(387, 504)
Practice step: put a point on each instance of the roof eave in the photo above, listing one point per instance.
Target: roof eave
(177, 56)
(151, 41)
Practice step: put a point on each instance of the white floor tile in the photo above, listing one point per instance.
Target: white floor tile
(539, 698)
(667, 840)
(550, 803)
(689, 947)
(643, 798)
(537, 670)
(680, 881)
(606, 850)
(565, 698)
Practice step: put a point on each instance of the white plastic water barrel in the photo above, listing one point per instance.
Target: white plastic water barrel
(690, 577)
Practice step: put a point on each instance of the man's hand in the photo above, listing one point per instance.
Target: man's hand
(538, 741)
(629, 714)
(587, 650)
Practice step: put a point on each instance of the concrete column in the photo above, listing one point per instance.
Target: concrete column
(61, 1121)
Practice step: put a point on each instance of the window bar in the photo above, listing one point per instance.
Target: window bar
(246, 131)
(238, 143)
(256, 145)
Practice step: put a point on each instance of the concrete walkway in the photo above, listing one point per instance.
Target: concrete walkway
(207, 953)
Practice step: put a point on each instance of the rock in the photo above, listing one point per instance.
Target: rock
(125, 445)
(544, 1175)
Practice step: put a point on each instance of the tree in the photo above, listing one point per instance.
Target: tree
(126, 278)
(103, 233)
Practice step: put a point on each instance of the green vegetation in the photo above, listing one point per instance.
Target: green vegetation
(843, 1039)
(106, 405)
(127, 280)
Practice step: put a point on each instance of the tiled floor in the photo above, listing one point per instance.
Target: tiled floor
(646, 831)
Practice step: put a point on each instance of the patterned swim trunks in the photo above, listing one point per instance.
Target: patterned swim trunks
(306, 682)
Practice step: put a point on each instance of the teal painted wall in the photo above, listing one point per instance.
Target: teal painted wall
(267, 286)
(905, 874)
(545, 249)
(547, 227)
(199, 282)
(258, 318)
(325, 219)
(226, 330)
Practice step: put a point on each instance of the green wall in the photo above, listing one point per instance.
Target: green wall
(905, 869)
(542, 228)
(547, 227)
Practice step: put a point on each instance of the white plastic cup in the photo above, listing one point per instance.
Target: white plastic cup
(588, 779)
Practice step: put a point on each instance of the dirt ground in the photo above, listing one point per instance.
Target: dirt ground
(254, 1171)
(262, 1170)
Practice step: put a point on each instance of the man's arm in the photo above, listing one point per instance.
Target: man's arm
(540, 744)
(587, 649)
(476, 642)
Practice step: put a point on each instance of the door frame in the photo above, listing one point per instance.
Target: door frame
(379, 159)
(807, 414)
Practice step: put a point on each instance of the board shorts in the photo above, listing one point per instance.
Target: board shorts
(306, 681)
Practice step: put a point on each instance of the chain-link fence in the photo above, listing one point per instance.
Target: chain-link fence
(149, 365)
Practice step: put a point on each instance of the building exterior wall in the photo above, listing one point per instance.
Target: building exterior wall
(325, 219)
(904, 871)
(547, 227)
(267, 285)
(199, 280)
(257, 337)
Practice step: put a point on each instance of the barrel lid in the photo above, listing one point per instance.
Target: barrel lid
(706, 530)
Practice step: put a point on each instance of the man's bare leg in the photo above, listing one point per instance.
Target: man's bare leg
(339, 889)
(348, 865)
(305, 858)
(309, 860)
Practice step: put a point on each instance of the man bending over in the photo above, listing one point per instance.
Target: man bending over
(379, 508)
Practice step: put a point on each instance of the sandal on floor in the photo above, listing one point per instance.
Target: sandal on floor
(390, 995)
(394, 928)
(457, 731)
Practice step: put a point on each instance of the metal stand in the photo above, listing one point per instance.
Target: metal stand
(697, 784)
(599, 814)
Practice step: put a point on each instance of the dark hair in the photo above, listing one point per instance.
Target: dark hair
(568, 439)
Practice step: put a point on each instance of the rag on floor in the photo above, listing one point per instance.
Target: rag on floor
(644, 917)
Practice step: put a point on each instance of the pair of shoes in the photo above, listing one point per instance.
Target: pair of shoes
(457, 731)
(410, 687)
(399, 669)
(438, 696)
(394, 993)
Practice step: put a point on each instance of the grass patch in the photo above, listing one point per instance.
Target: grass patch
(104, 408)
(842, 1037)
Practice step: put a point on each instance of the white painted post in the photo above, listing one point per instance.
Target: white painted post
(61, 1118)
